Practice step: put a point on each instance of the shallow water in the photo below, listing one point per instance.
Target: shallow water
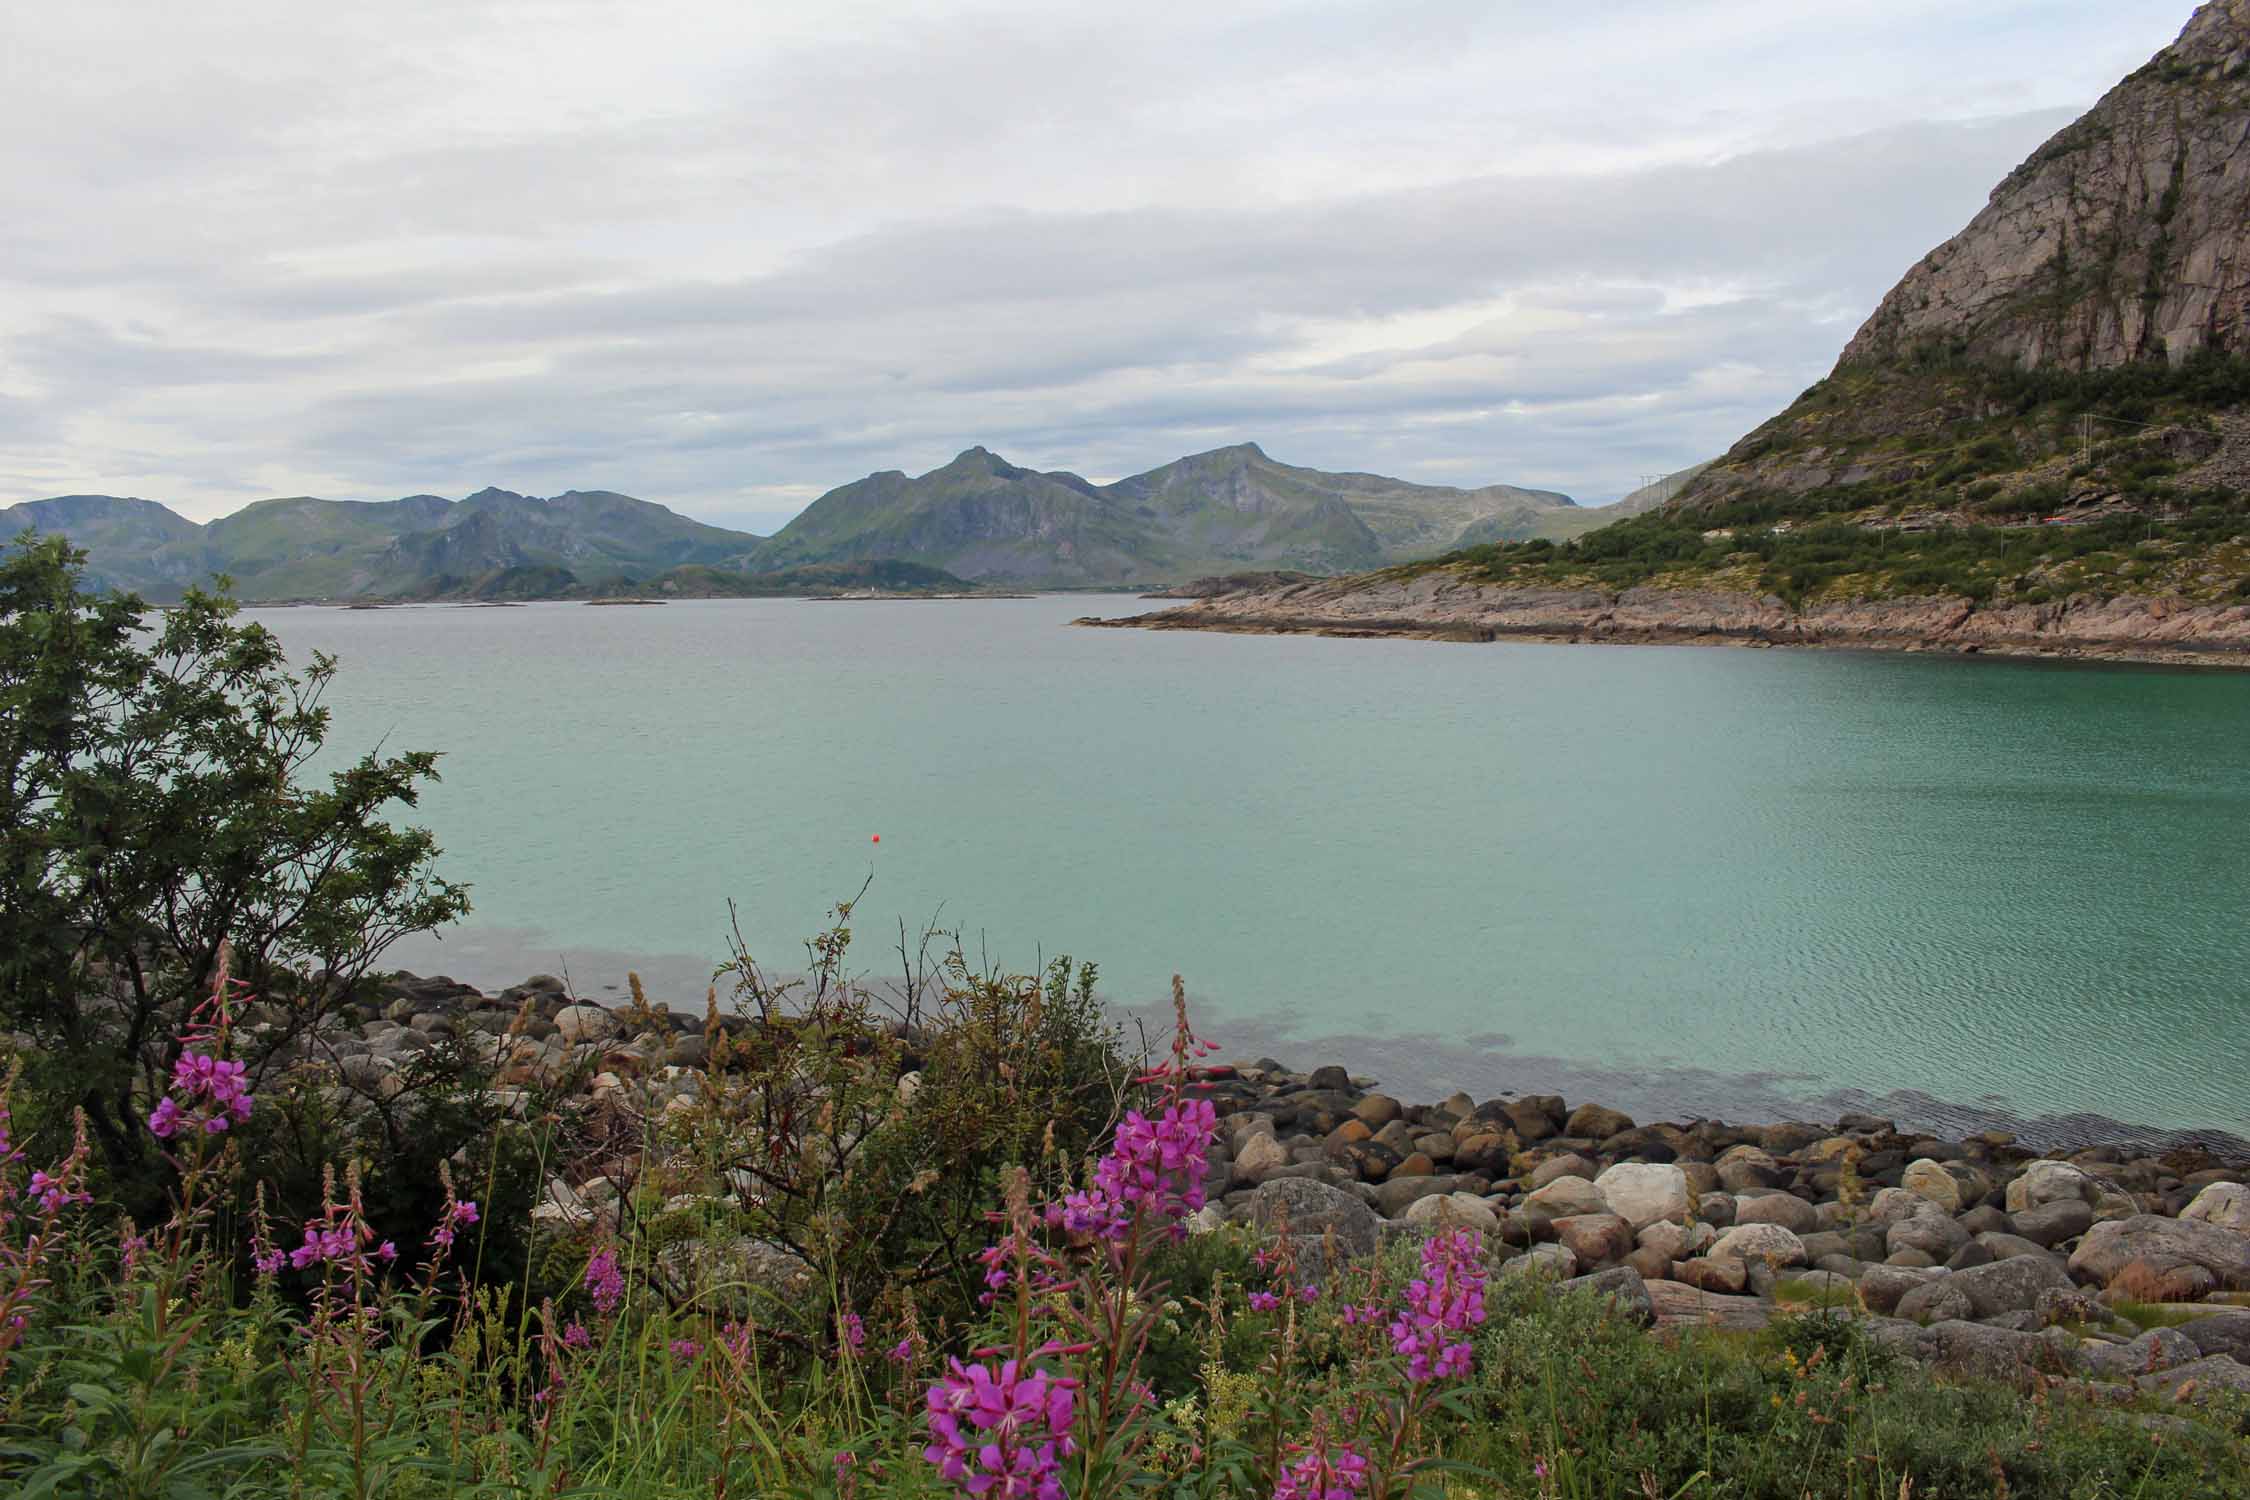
(1709, 881)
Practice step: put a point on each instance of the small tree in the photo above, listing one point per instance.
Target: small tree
(156, 802)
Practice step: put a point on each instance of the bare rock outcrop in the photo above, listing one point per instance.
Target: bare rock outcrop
(2120, 239)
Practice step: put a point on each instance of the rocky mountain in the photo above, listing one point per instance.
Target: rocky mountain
(1232, 508)
(2039, 441)
(2121, 239)
(2096, 304)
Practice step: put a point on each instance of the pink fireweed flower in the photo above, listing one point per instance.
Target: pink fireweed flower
(1264, 1301)
(323, 1243)
(1446, 1300)
(1002, 1433)
(208, 1094)
(604, 1283)
(900, 1352)
(684, 1351)
(575, 1336)
(457, 1216)
(1153, 1167)
(851, 1332)
(53, 1194)
(1323, 1471)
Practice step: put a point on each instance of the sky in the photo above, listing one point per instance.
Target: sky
(728, 255)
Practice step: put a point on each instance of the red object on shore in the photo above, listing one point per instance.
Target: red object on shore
(878, 838)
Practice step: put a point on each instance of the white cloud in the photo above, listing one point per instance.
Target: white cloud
(725, 256)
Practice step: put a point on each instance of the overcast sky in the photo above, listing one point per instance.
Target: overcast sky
(727, 255)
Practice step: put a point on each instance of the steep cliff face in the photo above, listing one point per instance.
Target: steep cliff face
(2121, 239)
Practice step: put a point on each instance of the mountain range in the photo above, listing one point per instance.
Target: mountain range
(978, 519)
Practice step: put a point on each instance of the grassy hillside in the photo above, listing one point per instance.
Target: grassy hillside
(1988, 482)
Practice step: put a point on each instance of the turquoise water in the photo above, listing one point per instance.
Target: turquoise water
(1693, 879)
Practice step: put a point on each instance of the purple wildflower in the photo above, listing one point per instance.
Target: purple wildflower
(851, 1332)
(603, 1281)
(1001, 1432)
(901, 1352)
(575, 1336)
(1323, 1472)
(457, 1215)
(1153, 1166)
(1445, 1300)
(684, 1351)
(208, 1093)
(1264, 1301)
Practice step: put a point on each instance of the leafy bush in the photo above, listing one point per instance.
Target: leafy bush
(156, 810)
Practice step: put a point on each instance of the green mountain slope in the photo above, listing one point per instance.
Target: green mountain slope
(982, 517)
(422, 546)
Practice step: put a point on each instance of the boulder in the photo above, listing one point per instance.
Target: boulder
(1623, 1288)
(2210, 1373)
(1377, 1110)
(1529, 1120)
(1258, 1158)
(1930, 1232)
(1596, 1239)
(2050, 1224)
(1568, 1195)
(1569, 1164)
(2109, 1247)
(1786, 1209)
(2050, 1182)
(2226, 1204)
(2224, 1332)
(1938, 1301)
(2012, 1285)
(2001, 1353)
(585, 1023)
(1742, 1168)
(1596, 1122)
(1767, 1244)
(1402, 1191)
(1485, 1151)
(1645, 1193)
(1453, 1211)
(1545, 1262)
(1677, 1304)
(2157, 1349)
(1675, 1241)
(1882, 1288)
(1315, 1211)
(1725, 1277)
(2007, 1246)
(1929, 1179)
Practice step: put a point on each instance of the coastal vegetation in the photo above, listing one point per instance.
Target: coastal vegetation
(1991, 483)
(273, 1223)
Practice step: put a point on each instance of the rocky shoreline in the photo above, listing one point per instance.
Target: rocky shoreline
(2120, 1269)
(1443, 605)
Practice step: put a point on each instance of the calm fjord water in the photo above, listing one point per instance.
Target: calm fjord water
(1675, 879)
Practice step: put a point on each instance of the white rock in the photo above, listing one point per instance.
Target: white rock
(585, 1023)
(2226, 1204)
(1205, 1220)
(1760, 1242)
(1553, 1262)
(1645, 1193)
(909, 1084)
(1569, 1195)
(1452, 1210)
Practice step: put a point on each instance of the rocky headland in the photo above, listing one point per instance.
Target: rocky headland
(1452, 605)
(2117, 1268)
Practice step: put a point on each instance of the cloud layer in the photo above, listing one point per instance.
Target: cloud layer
(727, 256)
